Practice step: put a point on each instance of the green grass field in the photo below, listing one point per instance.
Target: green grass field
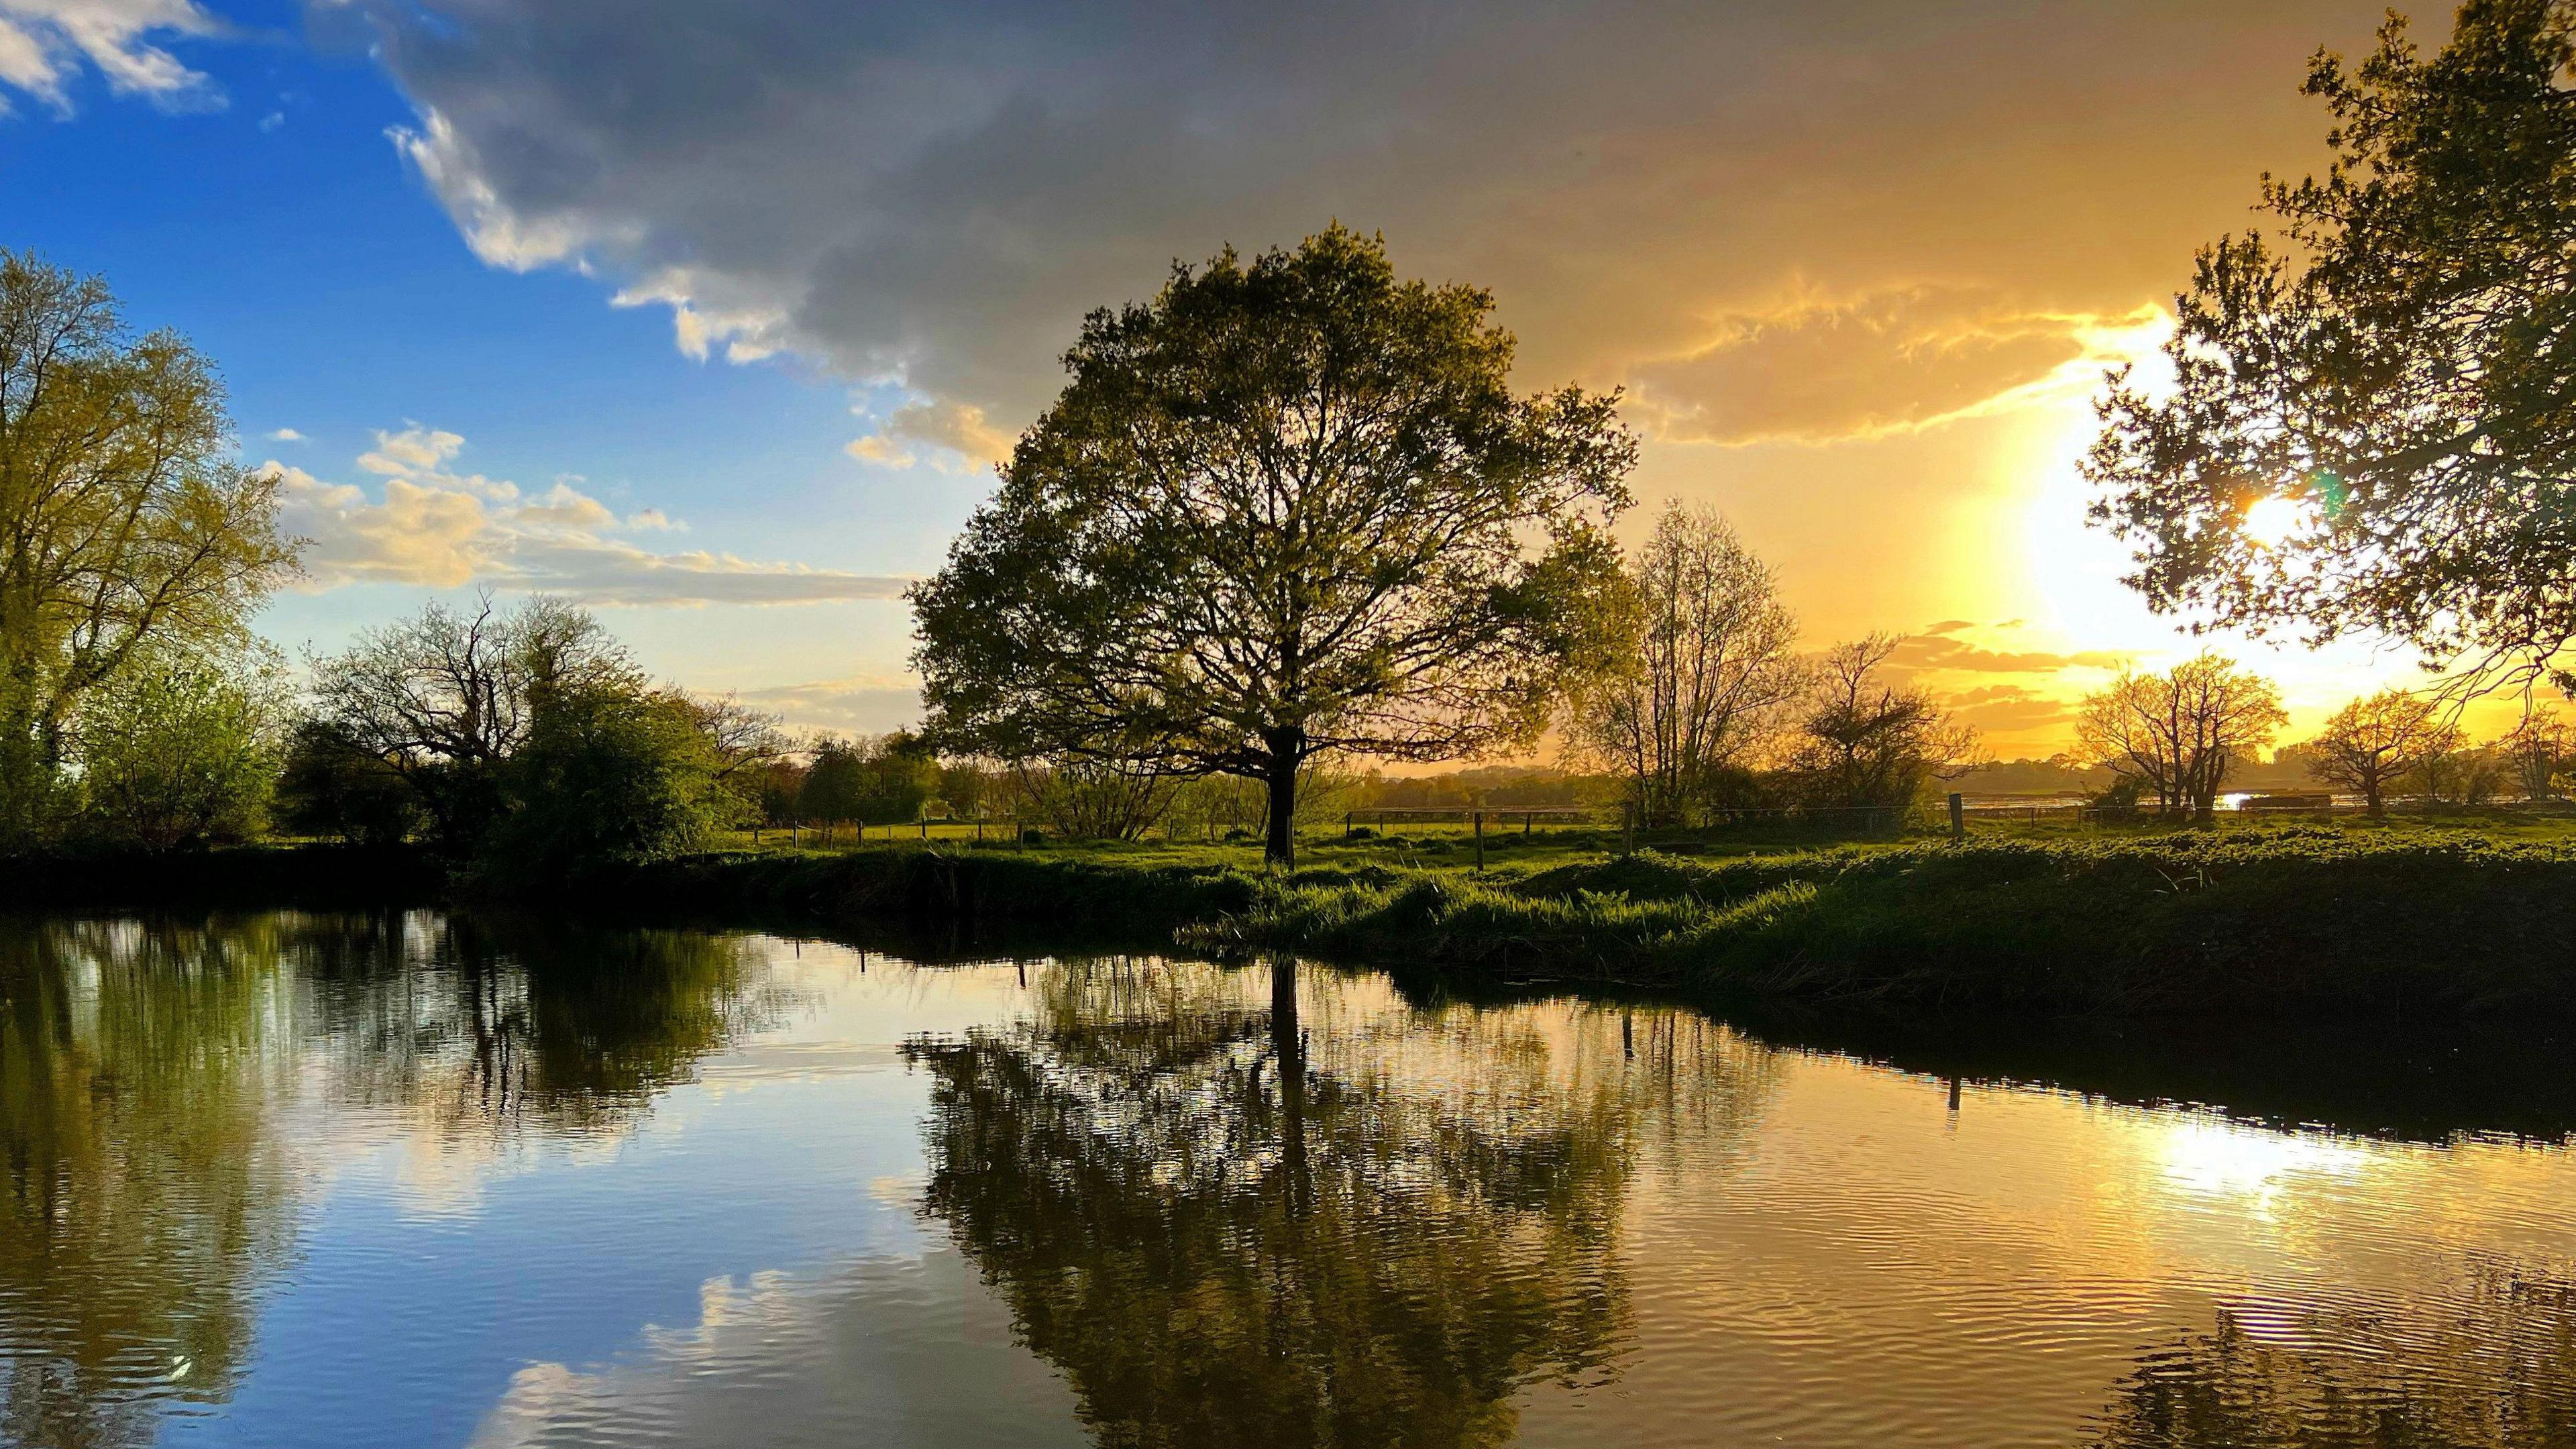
(2449, 916)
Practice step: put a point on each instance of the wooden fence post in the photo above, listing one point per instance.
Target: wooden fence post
(1628, 815)
(1480, 840)
(1958, 817)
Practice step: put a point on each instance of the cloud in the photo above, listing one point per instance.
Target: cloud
(439, 529)
(1778, 221)
(863, 705)
(1940, 648)
(955, 435)
(1898, 361)
(44, 42)
(2005, 709)
(411, 449)
(286, 435)
(872, 1346)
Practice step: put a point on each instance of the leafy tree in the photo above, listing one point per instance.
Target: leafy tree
(2182, 731)
(445, 698)
(1093, 799)
(2375, 741)
(2373, 429)
(1289, 507)
(181, 751)
(1866, 742)
(2541, 749)
(328, 785)
(608, 772)
(880, 780)
(532, 739)
(1710, 669)
(2459, 773)
(125, 529)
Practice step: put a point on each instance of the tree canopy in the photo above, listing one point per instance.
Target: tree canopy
(1708, 673)
(2372, 427)
(2374, 741)
(1290, 506)
(125, 526)
(2179, 733)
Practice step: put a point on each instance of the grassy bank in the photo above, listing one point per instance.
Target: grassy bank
(2393, 923)
(2439, 922)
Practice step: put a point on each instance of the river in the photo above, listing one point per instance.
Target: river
(414, 1179)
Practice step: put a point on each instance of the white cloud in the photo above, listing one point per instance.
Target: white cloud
(441, 529)
(956, 435)
(44, 42)
(286, 435)
(864, 704)
(413, 448)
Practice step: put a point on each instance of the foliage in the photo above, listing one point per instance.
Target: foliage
(2372, 742)
(181, 750)
(2392, 389)
(2460, 774)
(528, 739)
(1289, 507)
(873, 780)
(329, 786)
(1866, 742)
(2182, 731)
(129, 533)
(2541, 749)
(607, 774)
(1092, 799)
(1708, 673)
(446, 698)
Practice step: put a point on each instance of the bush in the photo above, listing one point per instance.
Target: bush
(2117, 800)
(180, 752)
(331, 787)
(608, 775)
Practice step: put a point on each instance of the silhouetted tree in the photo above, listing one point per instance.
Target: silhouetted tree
(2373, 742)
(1707, 675)
(1289, 507)
(1865, 741)
(2373, 430)
(2182, 731)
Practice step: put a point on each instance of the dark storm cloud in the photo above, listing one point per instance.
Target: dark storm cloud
(1784, 220)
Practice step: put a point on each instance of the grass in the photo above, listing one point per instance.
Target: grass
(2378, 918)
(2457, 917)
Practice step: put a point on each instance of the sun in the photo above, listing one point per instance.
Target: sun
(2274, 521)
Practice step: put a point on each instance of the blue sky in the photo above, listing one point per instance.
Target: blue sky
(281, 231)
(713, 315)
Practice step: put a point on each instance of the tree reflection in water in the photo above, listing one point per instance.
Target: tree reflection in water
(1231, 1224)
(148, 1074)
(2492, 1364)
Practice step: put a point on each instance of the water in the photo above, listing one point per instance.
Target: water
(411, 1180)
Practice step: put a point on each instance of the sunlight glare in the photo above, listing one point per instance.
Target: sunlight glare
(2274, 521)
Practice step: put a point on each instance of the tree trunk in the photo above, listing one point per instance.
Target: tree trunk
(1288, 1044)
(1279, 845)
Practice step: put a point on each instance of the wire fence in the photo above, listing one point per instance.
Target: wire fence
(1620, 825)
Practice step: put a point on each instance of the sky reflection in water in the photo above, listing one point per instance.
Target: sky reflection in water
(287, 1180)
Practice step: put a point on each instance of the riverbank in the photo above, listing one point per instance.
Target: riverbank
(2303, 919)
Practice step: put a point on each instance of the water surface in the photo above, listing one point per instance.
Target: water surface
(421, 1180)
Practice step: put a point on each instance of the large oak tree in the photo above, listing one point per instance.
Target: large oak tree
(1290, 506)
(2373, 427)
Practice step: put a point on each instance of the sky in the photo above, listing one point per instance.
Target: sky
(716, 314)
